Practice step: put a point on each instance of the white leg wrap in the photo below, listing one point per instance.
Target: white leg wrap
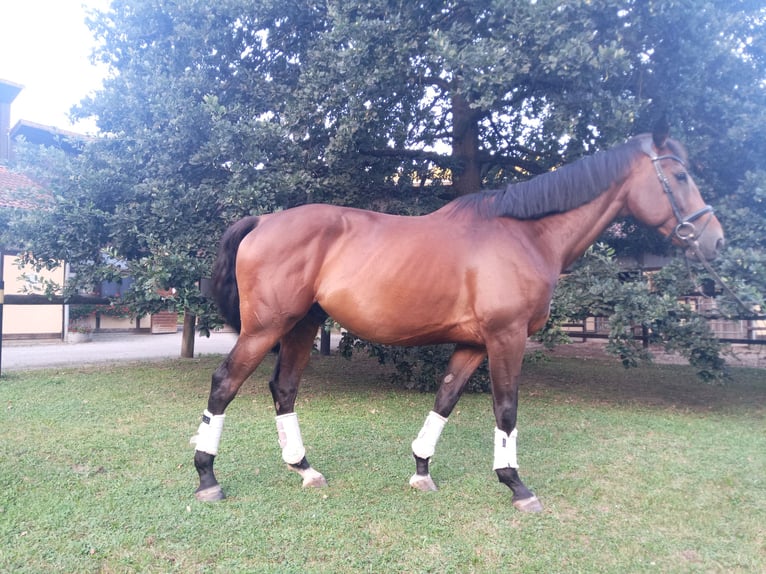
(289, 434)
(505, 449)
(425, 445)
(209, 433)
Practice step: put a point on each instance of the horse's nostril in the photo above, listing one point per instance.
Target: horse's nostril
(720, 244)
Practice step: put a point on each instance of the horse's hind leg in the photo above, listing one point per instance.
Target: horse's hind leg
(294, 353)
(462, 364)
(243, 359)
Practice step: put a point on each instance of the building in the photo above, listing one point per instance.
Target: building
(17, 191)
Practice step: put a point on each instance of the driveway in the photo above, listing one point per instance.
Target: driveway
(116, 347)
(107, 348)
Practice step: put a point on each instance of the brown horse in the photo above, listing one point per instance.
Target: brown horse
(479, 273)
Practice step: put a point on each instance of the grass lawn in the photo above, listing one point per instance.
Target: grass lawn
(645, 470)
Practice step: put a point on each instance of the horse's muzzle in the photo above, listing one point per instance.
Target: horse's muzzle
(705, 248)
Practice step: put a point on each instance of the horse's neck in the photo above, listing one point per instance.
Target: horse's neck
(568, 235)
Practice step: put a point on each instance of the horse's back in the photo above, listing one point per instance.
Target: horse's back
(391, 279)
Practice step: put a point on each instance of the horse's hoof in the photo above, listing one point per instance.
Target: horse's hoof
(313, 478)
(210, 494)
(528, 505)
(315, 482)
(423, 483)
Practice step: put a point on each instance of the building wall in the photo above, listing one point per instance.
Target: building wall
(107, 323)
(30, 321)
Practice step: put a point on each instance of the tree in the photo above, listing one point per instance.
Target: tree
(216, 110)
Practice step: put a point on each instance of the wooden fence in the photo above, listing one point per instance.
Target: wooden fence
(734, 331)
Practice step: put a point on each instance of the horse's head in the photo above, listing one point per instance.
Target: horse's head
(663, 195)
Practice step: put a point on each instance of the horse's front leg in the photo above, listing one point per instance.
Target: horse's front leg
(505, 368)
(226, 381)
(462, 364)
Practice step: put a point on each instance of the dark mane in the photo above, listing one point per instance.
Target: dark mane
(566, 188)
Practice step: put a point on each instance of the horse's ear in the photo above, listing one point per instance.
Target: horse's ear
(661, 131)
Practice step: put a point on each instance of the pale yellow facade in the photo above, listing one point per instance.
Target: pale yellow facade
(21, 321)
(47, 321)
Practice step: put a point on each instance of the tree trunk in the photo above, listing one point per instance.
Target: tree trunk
(465, 146)
(187, 337)
(324, 342)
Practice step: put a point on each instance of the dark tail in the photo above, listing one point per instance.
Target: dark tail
(225, 288)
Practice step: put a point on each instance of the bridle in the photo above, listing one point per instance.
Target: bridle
(685, 230)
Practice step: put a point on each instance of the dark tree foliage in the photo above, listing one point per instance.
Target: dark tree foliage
(215, 110)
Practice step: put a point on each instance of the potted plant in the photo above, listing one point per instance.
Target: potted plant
(79, 333)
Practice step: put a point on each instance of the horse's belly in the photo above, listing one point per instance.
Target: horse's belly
(400, 322)
(411, 335)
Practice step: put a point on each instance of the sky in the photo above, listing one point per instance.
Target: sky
(45, 46)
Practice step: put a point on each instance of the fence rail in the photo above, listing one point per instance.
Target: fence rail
(754, 327)
(36, 299)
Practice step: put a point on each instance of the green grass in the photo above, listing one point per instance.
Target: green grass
(641, 470)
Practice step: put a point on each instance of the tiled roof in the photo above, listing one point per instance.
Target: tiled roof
(17, 190)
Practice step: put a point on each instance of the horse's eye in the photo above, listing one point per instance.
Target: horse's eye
(682, 177)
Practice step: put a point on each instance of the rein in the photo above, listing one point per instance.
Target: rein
(709, 268)
(685, 230)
